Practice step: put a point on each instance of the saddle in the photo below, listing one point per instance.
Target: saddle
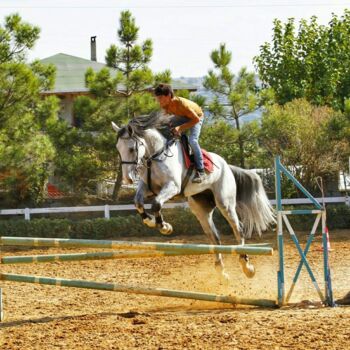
(189, 157)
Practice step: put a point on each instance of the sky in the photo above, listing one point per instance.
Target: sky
(184, 33)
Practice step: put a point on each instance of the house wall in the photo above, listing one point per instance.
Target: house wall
(66, 110)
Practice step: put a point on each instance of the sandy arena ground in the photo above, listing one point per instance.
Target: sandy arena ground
(47, 317)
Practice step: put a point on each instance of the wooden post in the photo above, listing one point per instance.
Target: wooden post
(1, 307)
(27, 214)
(107, 213)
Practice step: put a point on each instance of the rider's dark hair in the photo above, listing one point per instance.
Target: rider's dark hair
(164, 90)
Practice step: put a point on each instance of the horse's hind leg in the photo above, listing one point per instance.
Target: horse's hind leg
(227, 207)
(203, 207)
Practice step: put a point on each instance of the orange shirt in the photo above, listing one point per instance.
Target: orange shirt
(182, 107)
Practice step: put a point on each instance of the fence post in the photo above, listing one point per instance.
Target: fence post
(107, 212)
(280, 243)
(1, 307)
(27, 214)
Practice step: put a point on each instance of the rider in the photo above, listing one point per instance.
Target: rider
(188, 116)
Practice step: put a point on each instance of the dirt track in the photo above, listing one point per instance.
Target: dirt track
(46, 317)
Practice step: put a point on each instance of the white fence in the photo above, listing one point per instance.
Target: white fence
(106, 209)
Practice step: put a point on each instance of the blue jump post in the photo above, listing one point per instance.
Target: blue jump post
(320, 212)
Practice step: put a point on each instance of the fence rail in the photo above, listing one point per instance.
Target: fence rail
(106, 209)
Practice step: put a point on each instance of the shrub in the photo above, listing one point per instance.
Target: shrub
(183, 221)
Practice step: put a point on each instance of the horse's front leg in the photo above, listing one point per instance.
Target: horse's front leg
(167, 192)
(147, 218)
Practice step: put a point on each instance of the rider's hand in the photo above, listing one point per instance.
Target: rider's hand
(176, 131)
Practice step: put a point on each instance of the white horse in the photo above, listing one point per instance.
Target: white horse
(146, 152)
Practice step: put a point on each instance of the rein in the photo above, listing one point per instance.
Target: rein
(153, 158)
(137, 152)
(148, 161)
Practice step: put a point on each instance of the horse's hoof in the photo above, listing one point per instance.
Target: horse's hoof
(166, 229)
(150, 222)
(247, 267)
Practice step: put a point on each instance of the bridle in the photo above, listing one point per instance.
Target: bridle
(136, 161)
(147, 162)
(144, 160)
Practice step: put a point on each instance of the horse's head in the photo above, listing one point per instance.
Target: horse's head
(131, 149)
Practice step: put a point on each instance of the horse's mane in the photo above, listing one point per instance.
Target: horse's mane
(140, 124)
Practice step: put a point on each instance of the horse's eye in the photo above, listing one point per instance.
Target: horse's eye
(131, 150)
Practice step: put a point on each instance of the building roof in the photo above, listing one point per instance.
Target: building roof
(70, 74)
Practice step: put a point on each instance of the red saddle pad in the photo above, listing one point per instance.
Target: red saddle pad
(207, 160)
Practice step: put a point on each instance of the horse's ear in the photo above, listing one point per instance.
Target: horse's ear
(130, 130)
(115, 127)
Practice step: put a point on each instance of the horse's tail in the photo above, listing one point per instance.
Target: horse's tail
(253, 206)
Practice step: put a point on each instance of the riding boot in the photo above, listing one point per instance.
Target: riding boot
(199, 176)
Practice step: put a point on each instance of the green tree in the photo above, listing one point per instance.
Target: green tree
(338, 132)
(131, 60)
(311, 62)
(235, 96)
(302, 134)
(219, 137)
(119, 92)
(25, 150)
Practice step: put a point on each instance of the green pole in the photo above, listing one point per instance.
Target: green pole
(29, 259)
(137, 290)
(87, 256)
(1, 307)
(89, 243)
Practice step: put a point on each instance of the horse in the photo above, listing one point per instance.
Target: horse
(148, 150)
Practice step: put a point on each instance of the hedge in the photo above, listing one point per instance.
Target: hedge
(183, 221)
(121, 226)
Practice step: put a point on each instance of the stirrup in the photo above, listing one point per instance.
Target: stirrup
(198, 177)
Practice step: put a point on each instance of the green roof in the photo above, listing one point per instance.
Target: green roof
(70, 74)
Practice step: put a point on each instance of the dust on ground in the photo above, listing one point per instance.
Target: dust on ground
(50, 317)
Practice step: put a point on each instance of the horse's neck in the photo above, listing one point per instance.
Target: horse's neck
(154, 141)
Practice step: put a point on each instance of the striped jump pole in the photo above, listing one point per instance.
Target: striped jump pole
(29, 259)
(174, 247)
(136, 290)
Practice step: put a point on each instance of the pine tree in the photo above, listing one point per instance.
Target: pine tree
(25, 150)
(120, 92)
(235, 96)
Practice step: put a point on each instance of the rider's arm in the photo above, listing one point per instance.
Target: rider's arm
(193, 119)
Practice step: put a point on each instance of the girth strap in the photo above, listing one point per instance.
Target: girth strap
(186, 179)
(149, 175)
